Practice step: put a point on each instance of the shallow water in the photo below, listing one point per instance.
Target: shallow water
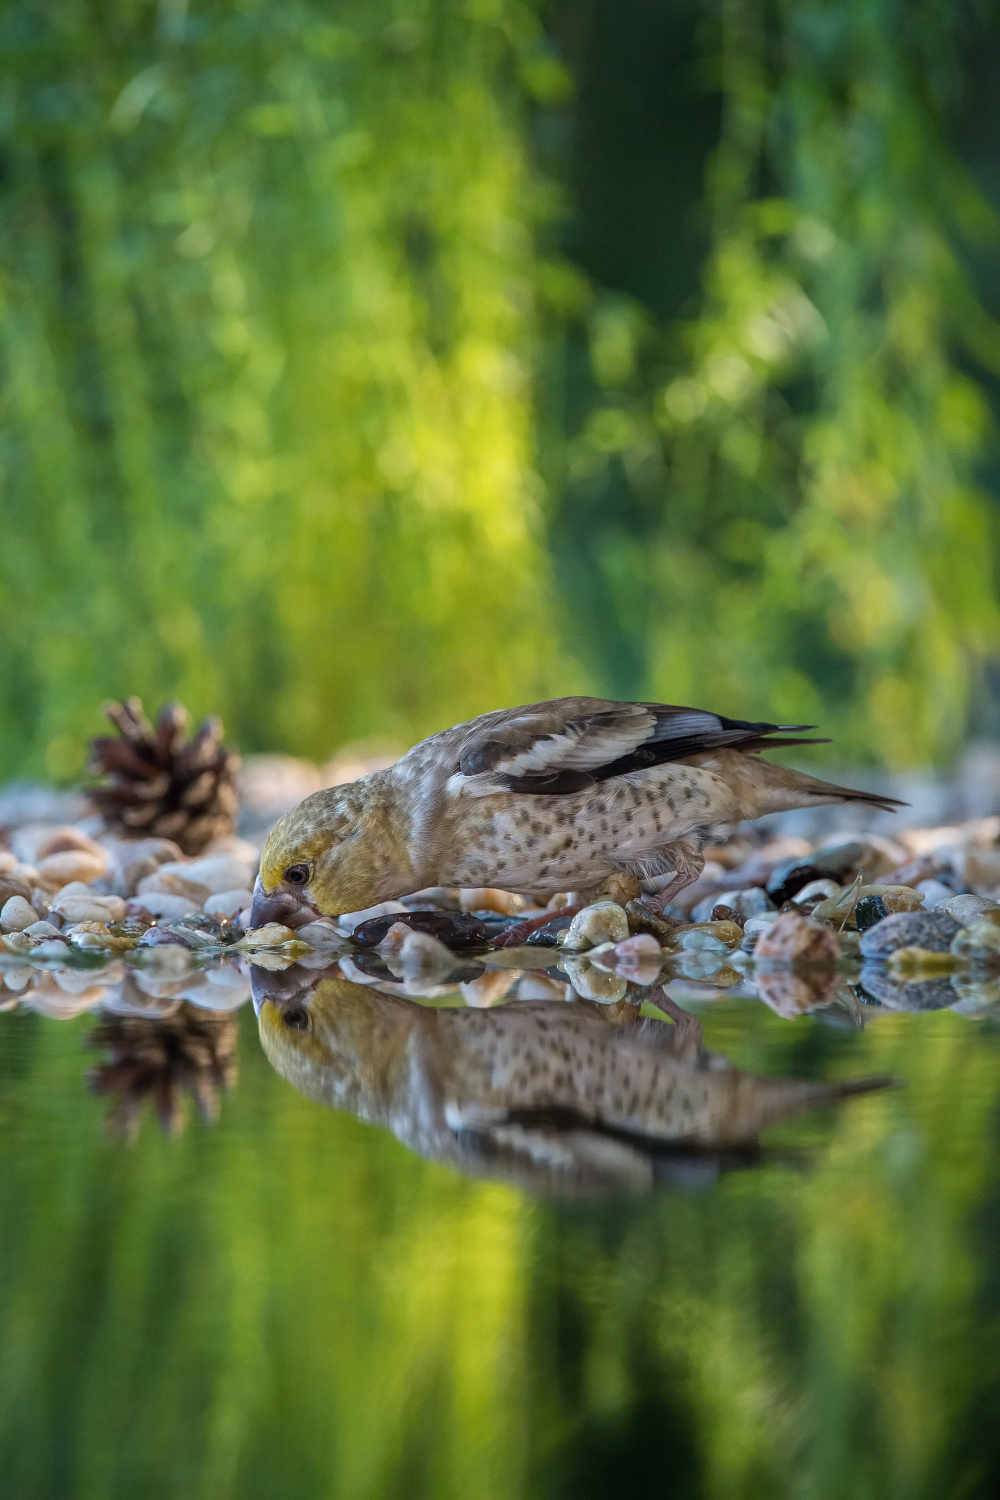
(291, 1301)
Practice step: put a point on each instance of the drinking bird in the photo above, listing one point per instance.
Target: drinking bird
(551, 796)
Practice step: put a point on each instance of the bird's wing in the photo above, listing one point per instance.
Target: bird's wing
(570, 743)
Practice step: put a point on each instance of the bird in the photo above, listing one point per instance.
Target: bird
(558, 796)
(562, 1099)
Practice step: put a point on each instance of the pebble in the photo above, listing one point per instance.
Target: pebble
(489, 898)
(755, 926)
(11, 886)
(751, 902)
(231, 903)
(37, 841)
(817, 890)
(788, 878)
(591, 983)
(548, 936)
(895, 898)
(77, 903)
(17, 914)
(167, 882)
(980, 869)
(271, 935)
(933, 930)
(642, 919)
(321, 934)
(165, 904)
(869, 910)
(349, 920)
(58, 870)
(794, 939)
(42, 930)
(872, 855)
(456, 930)
(603, 922)
(935, 893)
(964, 909)
(216, 872)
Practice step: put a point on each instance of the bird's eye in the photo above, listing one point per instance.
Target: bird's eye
(296, 1018)
(297, 874)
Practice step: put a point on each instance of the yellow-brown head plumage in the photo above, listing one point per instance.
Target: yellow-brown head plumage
(336, 850)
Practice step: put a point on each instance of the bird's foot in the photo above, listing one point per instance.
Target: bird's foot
(513, 937)
(688, 1036)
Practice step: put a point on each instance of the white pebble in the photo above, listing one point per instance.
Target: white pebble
(17, 914)
(78, 903)
(42, 930)
(604, 922)
(228, 903)
(218, 872)
(816, 890)
(935, 894)
(320, 935)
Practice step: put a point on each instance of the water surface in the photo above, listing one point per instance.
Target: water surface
(290, 1301)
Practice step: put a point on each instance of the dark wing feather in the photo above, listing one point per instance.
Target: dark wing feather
(566, 745)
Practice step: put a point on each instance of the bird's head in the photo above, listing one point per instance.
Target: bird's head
(331, 854)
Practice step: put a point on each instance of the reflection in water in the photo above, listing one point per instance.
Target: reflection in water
(562, 1098)
(163, 1057)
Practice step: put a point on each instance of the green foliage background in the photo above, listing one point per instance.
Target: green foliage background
(314, 411)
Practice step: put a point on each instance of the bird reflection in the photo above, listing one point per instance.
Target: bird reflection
(563, 1099)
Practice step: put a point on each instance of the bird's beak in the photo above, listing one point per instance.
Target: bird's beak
(282, 907)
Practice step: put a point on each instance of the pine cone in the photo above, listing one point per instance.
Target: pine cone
(191, 1051)
(161, 783)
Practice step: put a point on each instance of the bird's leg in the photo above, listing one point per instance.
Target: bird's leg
(621, 886)
(688, 862)
(513, 937)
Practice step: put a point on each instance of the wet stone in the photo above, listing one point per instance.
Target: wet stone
(869, 910)
(456, 930)
(547, 936)
(933, 930)
(794, 939)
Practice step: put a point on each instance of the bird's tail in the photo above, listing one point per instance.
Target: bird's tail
(780, 789)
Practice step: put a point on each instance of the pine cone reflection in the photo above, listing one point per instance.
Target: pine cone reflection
(190, 1052)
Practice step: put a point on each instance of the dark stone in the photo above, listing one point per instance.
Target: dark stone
(788, 879)
(932, 930)
(545, 937)
(869, 910)
(723, 913)
(455, 929)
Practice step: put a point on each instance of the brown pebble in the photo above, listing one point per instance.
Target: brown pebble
(794, 939)
(723, 913)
